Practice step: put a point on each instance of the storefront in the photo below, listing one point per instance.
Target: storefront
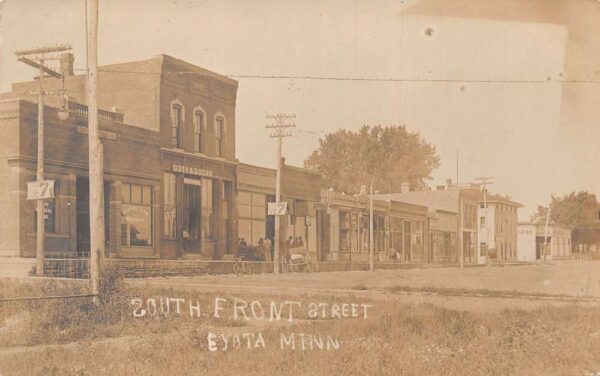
(399, 229)
(198, 212)
(300, 190)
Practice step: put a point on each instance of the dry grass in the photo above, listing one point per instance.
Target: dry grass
(396, 339)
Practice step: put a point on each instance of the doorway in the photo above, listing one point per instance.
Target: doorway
(192, 220)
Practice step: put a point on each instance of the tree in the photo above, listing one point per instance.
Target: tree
(579, 210)
(387, 155)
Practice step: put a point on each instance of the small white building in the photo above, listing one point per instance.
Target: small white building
(530, 245)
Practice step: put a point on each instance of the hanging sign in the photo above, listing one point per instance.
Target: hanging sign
(277, 208)
(38, 190)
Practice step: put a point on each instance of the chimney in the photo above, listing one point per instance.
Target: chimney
(66, 64)
(405, 187)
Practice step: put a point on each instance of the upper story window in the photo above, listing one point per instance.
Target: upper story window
(220, 136)
(199, 127)
(177, 125)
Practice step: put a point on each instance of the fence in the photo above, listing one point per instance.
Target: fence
(67, 265)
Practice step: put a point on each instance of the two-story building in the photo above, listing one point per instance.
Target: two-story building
(498, 220)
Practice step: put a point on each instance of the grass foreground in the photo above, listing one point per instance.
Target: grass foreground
(77, 337)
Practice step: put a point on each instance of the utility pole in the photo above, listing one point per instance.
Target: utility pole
(95, 149)
(484, 182)
(281, 123)
(546, 232)
(371, 267)
(37, 58)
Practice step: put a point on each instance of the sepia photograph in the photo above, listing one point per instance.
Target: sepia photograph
(300, 187)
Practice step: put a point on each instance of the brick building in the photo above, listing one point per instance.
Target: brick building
(132, 160)
(173, 185)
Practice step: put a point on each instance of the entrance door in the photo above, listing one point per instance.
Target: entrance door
(83, 214)
(191, 221)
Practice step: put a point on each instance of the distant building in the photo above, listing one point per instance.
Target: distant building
(453, 213)
(497, 228)
(531, 241)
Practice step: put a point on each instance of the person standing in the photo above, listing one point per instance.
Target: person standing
(268, 249)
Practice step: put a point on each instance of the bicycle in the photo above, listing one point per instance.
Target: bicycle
(240, 267)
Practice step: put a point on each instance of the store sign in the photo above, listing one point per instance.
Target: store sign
(277, 208)
(37, 190)
(191, 170)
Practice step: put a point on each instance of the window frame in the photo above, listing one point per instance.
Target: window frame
(220, 125)
(177, 124)
(129, 202)
(199, 130)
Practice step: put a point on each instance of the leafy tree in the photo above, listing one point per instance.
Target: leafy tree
(387, 155)
(577, 209)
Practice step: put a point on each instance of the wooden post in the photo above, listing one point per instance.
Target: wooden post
(95, 150)
(41, 228)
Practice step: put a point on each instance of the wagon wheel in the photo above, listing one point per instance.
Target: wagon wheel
(248, 270)
(236, 268)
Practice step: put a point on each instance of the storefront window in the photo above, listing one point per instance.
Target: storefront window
(136, 215)
(252, 217)
(344, 231)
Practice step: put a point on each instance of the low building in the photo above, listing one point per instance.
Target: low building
(443, 225)
(300, 188)
(531, 241)
(400, 230)
(453, 209)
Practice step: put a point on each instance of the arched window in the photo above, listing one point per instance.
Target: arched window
(199, 129)
(176, 124)
(219, 136)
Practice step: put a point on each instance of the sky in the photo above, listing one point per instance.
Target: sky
(484, 81)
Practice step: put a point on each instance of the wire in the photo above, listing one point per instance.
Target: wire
(367, 79)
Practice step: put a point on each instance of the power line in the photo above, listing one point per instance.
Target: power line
(366, 79)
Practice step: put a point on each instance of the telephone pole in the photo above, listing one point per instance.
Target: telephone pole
(37, 58)
(95, 148)
(281, 123)
(371, 267)
(485, 180)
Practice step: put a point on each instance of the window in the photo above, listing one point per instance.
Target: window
(344, 218)
(136, 215)
(252, 216)
(219, 136)
(177, 125)
(49, 212)
(170, 206)
(482, 222)
(199, 131)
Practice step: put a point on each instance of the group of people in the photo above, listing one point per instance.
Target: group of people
(264, 247)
